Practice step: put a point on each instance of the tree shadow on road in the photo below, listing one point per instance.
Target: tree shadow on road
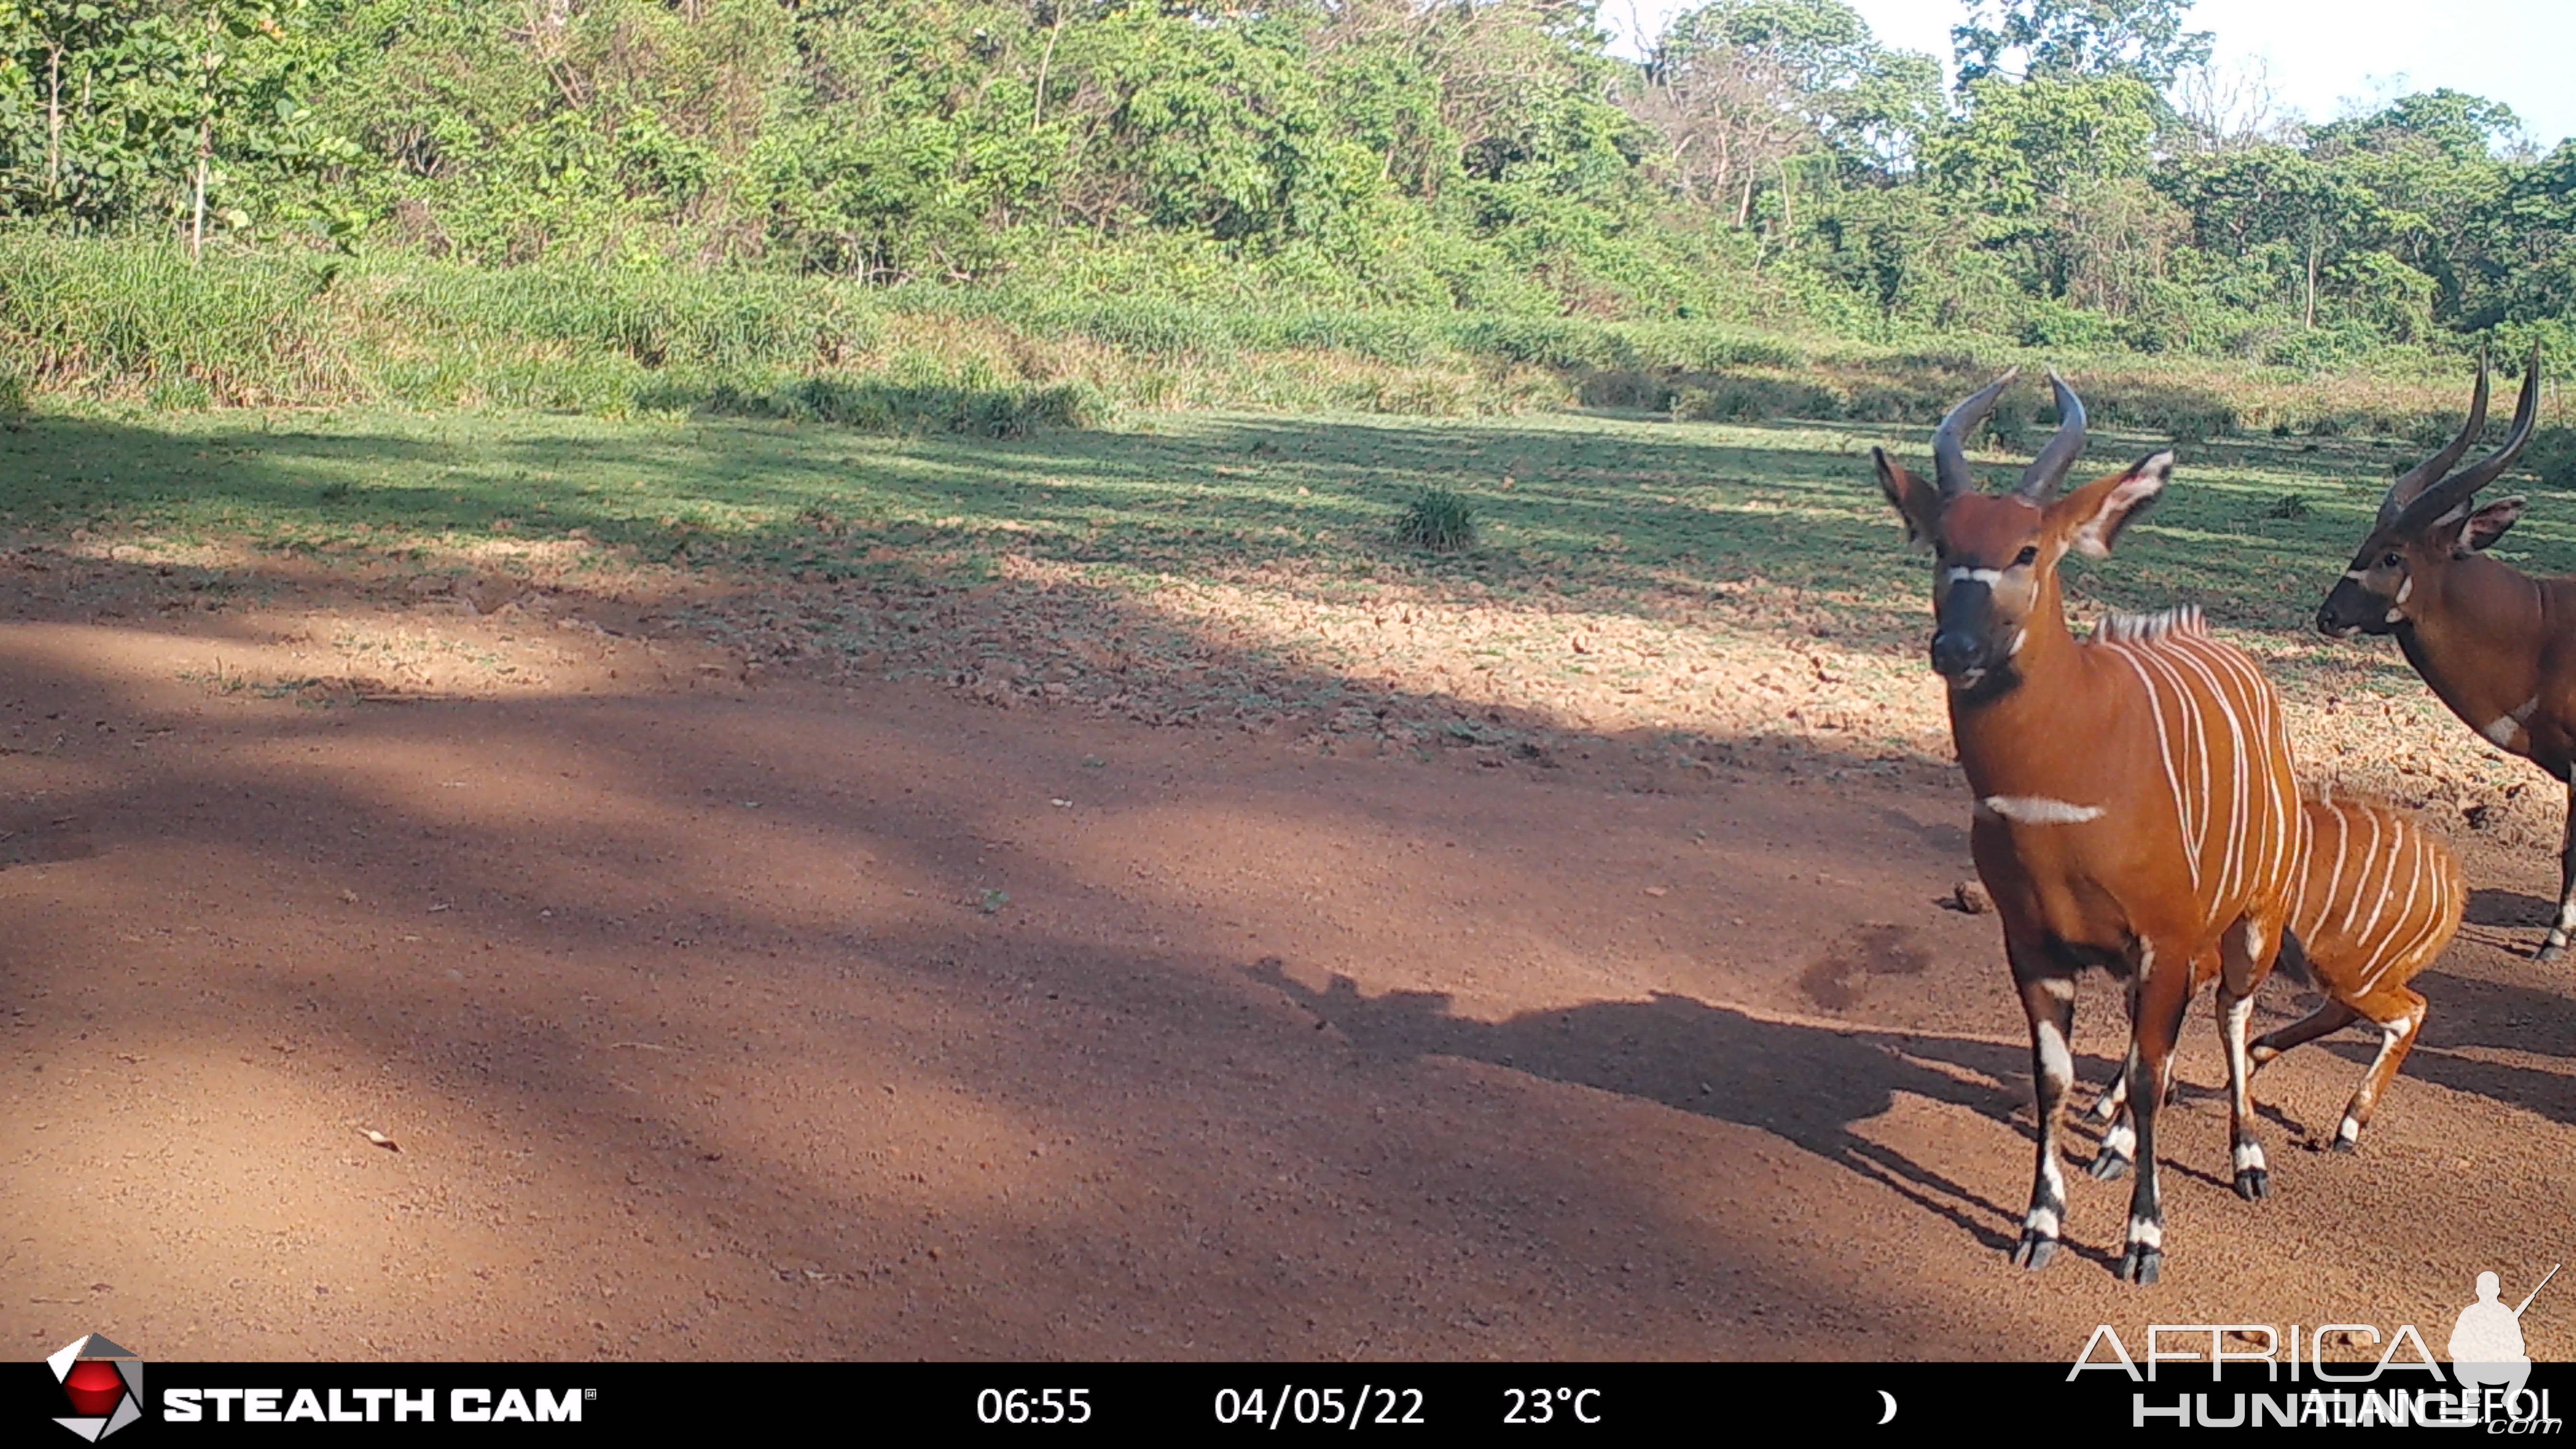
(1810, 1085)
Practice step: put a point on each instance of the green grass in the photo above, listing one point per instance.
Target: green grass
(1616, 512)
(131, 321)
(1437, 521)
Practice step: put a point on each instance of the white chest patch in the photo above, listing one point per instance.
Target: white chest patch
(2505, 727)
(2038, 810)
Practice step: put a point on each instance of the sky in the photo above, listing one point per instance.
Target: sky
(2325, 57)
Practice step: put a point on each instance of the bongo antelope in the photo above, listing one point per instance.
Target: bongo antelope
(2134, 803)
(2497, 645)
(2379, 900)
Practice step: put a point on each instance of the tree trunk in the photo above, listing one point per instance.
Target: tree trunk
(1037, 106)
(205, 159)
(54, 125)
(2309, 319)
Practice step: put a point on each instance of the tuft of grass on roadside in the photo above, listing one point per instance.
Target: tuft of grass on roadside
(1437, 521)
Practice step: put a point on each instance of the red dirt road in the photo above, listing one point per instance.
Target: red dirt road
(804, 1020)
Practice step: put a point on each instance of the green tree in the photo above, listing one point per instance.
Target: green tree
(2072, 39)
(1738, 89)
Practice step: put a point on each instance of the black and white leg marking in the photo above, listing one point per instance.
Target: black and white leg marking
(2113, 1098)
(2561, 929)
(2050, 1003)
(2253, 1174)
(2162, 997)
(2119, 1148)
(2393, 1037)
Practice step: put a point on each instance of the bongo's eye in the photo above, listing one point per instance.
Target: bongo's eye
(2391, 561)
(2029, 555)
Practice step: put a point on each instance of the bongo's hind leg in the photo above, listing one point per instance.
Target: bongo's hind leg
(2333, 1016)
(2399, 1015)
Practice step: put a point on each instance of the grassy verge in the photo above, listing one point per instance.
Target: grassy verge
(132, 322)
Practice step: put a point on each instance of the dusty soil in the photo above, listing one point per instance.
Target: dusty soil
(718, 1011)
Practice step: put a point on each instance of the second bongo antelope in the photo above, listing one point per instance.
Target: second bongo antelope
(2379, 901)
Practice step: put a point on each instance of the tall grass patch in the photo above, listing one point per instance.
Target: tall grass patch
(132, 320)
(118, 317)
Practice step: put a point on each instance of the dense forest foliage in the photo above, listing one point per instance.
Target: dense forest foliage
(2090, 181)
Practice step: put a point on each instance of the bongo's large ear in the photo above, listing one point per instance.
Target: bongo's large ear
(2484, 527)
(1916, 501)
(2095, 514)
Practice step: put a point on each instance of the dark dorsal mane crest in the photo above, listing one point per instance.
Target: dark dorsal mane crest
(2147, 628)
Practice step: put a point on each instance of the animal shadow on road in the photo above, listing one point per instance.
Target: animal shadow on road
(2485, 1016)
(1808, 1084)
(2508, 908)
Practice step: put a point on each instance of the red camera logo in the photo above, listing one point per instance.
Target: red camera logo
(104, 1383)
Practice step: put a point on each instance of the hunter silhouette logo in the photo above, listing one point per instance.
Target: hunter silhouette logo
(104, 1383)
(2486, 1343)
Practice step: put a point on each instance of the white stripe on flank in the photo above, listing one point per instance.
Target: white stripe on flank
(2239, 807)
(2437, 915)
(2194, 808)
(2326, 901)
(2290, 859)
(2422, 859)
(2368, 935)
(2270, 855)
(2368, 855)
(2221, 887)
(2164, 753)
(2248, 851)
(2040, 810)
(2284, 821)
(2385, 956)
(2204, 744)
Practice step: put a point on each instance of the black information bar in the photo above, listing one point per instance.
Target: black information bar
(1037, 1402)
